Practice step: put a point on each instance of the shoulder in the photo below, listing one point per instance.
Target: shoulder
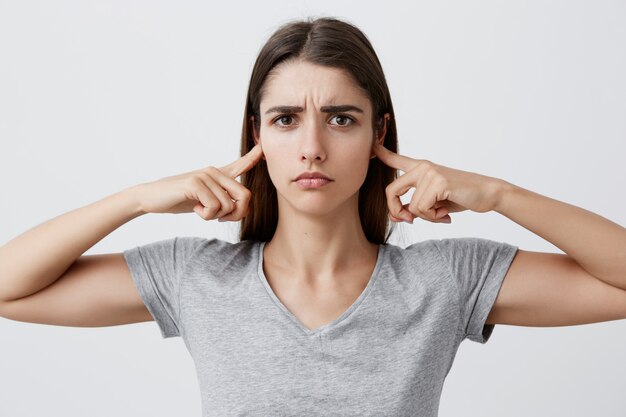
(219, 254)
(420, 262)
(436, 257)
(198, 242)
(414, 254)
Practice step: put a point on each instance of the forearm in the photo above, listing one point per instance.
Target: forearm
(594, 242)
(39, 256)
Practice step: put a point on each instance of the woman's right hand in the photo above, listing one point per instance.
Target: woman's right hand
(209, 191)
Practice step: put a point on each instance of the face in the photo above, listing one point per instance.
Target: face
(312, 136)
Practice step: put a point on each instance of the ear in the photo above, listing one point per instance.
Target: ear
(253, 130)
(380, 134)
(254, 135)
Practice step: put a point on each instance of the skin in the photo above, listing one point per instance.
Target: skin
(319, 242)
(319, 260)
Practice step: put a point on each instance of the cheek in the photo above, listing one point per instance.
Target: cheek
(353, 165)
(271, 143)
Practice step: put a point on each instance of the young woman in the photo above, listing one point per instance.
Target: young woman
(312, 312)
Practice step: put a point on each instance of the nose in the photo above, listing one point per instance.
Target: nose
(312, 142)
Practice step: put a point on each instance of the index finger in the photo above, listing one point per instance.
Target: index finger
(245, 163)
(393, 159)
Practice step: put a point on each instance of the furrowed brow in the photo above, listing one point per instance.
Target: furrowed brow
(343, 108)
(285, 109)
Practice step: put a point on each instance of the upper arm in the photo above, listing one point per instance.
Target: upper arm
(551, 289)
(95, 291)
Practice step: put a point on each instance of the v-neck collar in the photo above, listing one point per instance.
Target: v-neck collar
(344, 315)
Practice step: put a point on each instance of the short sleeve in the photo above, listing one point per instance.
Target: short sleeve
(478, 267)
(156, 269)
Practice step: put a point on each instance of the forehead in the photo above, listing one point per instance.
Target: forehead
(299, 83)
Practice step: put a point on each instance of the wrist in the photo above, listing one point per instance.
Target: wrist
(503, 193)
(131, 195)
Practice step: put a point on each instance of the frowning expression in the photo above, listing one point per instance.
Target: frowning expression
(315, 119)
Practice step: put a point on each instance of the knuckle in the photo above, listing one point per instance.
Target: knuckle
(193, 181)
(213, 207)
(204, 214)
(429, 173)
(206, 176)
(210, 170)
(425, 169)
(420, 165)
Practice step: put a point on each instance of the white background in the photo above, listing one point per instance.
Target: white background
(98, 96)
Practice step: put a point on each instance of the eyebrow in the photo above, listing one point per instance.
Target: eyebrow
(326, 109)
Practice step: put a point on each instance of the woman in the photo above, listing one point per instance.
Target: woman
(312, 312)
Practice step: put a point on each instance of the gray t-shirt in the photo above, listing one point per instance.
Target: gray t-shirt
(387, 354)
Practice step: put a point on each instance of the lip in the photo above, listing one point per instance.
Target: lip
(311, 175)
(312, 182)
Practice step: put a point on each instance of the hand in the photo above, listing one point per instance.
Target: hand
(210, 192)
(439, 190)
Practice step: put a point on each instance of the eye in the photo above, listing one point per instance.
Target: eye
(347, 120)
(282, 118)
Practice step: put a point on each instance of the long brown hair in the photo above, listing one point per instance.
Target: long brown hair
(333, 43)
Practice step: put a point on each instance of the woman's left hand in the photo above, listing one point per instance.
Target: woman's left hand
(439, 190)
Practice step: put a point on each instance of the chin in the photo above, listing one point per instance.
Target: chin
(315, 203)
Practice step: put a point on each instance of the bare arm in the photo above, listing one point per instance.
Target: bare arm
(45, 278)
(38, 257)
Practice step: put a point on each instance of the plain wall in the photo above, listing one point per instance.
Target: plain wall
(99, 96)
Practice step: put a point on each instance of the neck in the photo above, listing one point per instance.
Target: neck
(320, 247)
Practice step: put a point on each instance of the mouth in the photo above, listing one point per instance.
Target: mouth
(312, 182)
(312, 175)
